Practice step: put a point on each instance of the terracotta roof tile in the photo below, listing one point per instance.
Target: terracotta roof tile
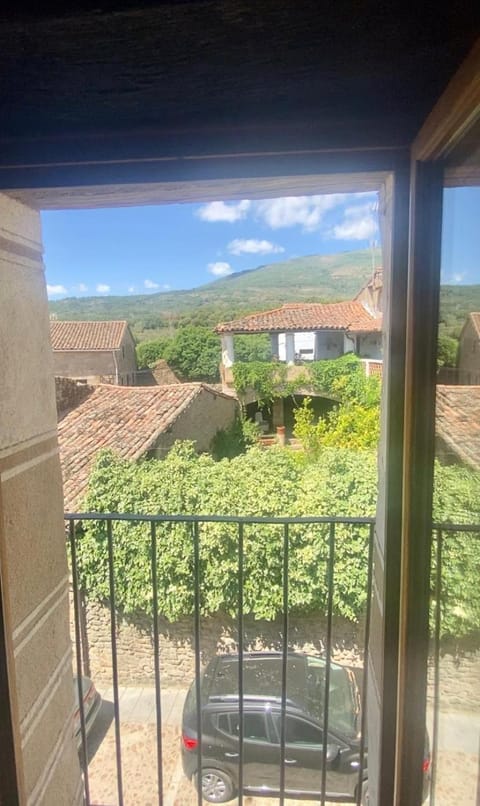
(350, 316)
(128, 420)
(458, 421)
(87, 335)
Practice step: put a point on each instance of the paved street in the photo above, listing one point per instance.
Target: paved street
(458, 766)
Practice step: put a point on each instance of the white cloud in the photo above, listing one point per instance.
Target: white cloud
(82, 288)
(359, 224)
(220, 269)
(253, 246)
(131, 289)
(289, 211)
(220, 211)
(458, 277)
(150, 284)
(103, 288)
(166, 287)
(56, 290)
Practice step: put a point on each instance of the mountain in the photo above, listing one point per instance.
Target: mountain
(322, 278)
(315, 278)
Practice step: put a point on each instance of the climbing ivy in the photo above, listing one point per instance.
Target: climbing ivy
(271, 483)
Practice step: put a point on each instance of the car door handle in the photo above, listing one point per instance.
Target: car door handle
(231, 755)
(290, 760)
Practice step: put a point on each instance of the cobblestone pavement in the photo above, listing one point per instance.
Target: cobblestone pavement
(457, 775)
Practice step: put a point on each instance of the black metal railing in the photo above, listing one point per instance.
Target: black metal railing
(334, 534)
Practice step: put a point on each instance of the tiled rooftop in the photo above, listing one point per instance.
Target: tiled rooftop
(87, 335)
(128, 420)
(458, 421)
(349, 316)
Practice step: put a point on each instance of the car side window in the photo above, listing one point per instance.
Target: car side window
(254, 726)
(298, 731)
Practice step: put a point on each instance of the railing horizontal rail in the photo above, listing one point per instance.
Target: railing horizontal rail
(305, 519)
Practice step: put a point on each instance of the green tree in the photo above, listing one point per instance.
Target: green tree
(149, 352)
(447, 349)
(256, 347)
(194, 353)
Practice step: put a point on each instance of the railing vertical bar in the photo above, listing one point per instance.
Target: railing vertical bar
(365, 665)
(198, 693)
(436, 668)
(78, 653)
(328, 649)
(156, 659)
(240, 663)
(284, 664)
(113, 635)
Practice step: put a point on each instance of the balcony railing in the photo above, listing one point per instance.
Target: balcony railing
(333, 531)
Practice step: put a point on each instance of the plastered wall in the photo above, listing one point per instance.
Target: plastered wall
(33, 564)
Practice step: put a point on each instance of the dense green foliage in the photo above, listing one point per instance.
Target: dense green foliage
(194, 354)
(355, 422)
(267, 378)
(447, 349)
(234, 440)
(149, 352)
(275, 482)
(256, 347)
(259, 482)
(339, 378)
(350, 425)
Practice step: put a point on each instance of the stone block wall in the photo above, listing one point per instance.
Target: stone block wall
(69, 393)
(217, 634)
(459, 665)
(209, 412)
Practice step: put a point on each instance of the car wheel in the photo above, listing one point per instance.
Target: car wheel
(217, 786)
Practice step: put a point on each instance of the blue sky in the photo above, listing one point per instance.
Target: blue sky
(141, 250)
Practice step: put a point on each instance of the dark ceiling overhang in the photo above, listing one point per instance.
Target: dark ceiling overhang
(221, 77)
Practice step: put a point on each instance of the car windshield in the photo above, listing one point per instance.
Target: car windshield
(305, 686)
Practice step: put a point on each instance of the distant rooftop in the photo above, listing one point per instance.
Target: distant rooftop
(458, 421)
(349, 316)
(129, 420)
(87, 335)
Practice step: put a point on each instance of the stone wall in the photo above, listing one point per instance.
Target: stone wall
(208, 412)
(217, 634)
(69, 393)
(459, 664)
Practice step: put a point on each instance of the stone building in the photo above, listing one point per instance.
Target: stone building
(137, 422)
(95, 352)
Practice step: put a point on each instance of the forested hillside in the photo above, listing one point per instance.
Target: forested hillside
(320, 278)
(325, 278)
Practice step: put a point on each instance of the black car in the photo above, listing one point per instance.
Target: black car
(262, 725)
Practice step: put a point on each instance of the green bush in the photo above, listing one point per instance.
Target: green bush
(271, 483)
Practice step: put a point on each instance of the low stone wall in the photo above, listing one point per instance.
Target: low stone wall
(217, 634)
(69, 393)
(459, 675)
(459, 663)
